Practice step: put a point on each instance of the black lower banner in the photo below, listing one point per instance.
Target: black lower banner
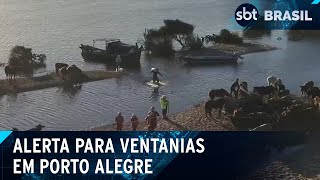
(150, 155)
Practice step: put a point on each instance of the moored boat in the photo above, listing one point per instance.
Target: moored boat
(211, 60)
(130, 54)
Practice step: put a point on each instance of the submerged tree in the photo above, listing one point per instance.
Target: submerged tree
(159, 41)
(178, 30)
(225, 37)
(24, 60)
(194, 42)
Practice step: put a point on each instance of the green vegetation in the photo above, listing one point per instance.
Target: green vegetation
(25, 61)
(225, 37)
(159, 41)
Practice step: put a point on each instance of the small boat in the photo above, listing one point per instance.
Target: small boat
(130, 54)
(209, 60)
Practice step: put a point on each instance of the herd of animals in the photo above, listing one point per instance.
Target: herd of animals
(66, 73)
(218, 97)
(71, 73)
(274, 89)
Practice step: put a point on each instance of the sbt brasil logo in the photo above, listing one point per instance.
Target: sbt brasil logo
(246, 14)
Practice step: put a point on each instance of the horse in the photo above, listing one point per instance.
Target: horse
(313, 92)
(305, 88)
(272, 80)
(10, 72)
(264, 90)
(59, 66)
(218, 93)
(214, 104)
(234, 88)
(62, 73)
(37, 128)
(244, 85)
(75, 75)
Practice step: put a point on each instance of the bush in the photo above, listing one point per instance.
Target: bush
(158, 43)
(225, 37)
(24, 60)
(194, 42)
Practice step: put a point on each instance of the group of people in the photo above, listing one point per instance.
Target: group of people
(152, 116)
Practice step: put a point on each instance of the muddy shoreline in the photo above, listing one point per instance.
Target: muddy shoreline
(302, 164)
(192, 118)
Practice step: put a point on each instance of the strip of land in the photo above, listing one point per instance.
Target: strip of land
(226, 49)
(24, 84)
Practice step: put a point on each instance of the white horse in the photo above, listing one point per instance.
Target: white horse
(122, 70)
(273, 81)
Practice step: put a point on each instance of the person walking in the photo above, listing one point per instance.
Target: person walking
(155, 72)
(164, 104)
(152, 119)
(118, 62)
(235, 88)
(134, 122)
(119, 121)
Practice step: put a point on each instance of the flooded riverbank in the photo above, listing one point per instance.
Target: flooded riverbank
(58, 28)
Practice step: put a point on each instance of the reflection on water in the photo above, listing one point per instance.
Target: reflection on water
(56, 28)
(98, 102)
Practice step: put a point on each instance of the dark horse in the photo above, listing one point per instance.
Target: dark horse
(10, 72)
(59, 66)
(218, 93)
(214, 104)
(75, 75)
(234, 88)
(264, 90)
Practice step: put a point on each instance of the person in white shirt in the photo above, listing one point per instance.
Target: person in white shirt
(118, 62)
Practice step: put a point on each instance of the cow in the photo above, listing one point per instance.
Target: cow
(10, 72)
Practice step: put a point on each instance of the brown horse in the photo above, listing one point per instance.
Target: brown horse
(305, 88)
(10, 72)
(218, 93)
(62, 73)
(214, 104)
(59, 66)
(75, 75)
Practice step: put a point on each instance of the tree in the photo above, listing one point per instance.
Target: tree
(194, 42)
(225, 37)
(20, 56)
(178, 30)
(158, 42)
(24, 60)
